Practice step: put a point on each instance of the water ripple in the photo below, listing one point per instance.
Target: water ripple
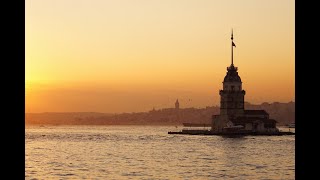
(137, 152)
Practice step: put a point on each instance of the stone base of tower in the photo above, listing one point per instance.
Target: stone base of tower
(250, 121)
(241, 133)
(219, 122)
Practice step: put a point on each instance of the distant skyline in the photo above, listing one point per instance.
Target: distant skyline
(131, 56)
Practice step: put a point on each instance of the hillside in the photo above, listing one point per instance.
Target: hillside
(284, 113)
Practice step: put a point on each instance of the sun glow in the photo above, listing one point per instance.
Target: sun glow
(79, 53)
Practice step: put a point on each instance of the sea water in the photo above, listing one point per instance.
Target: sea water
(149, 152)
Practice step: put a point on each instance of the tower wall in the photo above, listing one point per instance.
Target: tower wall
(232, 103)
(232, 95)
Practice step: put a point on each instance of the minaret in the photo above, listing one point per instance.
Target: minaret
(177, 104)
(232, 95)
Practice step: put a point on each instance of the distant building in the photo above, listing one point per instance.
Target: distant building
(233, 116)
(177, 104)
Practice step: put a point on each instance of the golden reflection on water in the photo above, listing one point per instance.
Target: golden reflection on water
(148, 152)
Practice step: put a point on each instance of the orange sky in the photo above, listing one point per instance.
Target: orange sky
(128, 56)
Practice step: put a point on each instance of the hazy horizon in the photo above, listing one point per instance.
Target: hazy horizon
(131, 56)
(171, 107)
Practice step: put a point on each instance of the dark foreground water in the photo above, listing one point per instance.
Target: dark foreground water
(148, 152)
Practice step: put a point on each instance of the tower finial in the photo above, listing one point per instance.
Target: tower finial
(232, 34)
(232, 44)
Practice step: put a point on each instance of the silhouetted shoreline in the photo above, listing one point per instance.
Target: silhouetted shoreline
(283, 112)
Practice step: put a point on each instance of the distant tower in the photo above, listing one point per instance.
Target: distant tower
(232, 95)
(177, 104)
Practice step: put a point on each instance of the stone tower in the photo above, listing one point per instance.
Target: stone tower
(232, 95)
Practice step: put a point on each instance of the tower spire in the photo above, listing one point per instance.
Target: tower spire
(232, 47)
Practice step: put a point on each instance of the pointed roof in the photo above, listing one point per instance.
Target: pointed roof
(232, 75)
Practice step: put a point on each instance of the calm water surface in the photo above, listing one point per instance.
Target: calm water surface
(148, 152)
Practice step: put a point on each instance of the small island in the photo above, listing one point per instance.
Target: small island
(233, 118)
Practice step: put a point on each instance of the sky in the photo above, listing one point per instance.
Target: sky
(136, 55)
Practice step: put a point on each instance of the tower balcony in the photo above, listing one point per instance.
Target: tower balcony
(232, 92)
(232, 68)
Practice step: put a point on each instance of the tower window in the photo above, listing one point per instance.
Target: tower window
(232, 88)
